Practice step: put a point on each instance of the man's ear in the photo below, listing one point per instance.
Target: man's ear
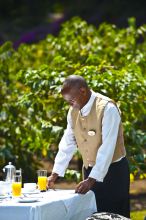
(83, 91)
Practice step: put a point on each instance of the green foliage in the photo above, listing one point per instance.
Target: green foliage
(33, 113)
(73, 175)
(138, 215)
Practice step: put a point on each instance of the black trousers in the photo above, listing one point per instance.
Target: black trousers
(112, 195)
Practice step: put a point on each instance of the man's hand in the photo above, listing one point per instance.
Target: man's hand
(84, 186)
(51, 180)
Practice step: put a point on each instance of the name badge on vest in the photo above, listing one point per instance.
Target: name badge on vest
(91, 133)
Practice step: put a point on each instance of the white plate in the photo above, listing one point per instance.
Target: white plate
(3, 196)
(26, 200)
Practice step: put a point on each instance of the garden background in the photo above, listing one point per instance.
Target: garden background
(43, 43)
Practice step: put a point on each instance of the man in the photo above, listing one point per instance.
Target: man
(94, 126)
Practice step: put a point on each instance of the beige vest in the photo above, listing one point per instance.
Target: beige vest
(88, 132)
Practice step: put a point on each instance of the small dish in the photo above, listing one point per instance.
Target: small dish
(27, 200)
(30, 192)
(3, 196)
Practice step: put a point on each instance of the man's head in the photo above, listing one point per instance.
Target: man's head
(75, 91)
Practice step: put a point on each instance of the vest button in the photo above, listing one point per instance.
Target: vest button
(85, 140)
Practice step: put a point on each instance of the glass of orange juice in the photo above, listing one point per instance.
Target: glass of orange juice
(16, 186)
(42, 180)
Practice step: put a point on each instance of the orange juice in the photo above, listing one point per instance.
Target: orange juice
(42, 183)
(16, 188)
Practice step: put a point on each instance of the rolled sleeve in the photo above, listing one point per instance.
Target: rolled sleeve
(67, 148)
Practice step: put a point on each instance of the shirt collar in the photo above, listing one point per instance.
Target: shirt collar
(89, 103)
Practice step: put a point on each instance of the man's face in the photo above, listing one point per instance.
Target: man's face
(75, 97)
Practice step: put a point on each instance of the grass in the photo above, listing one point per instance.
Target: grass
(138, 215)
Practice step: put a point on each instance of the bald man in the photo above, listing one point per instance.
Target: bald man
(94, 128)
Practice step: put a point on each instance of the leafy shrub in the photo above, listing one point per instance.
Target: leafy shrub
(33, 113)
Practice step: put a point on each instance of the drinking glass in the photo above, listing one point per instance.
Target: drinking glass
(18, 172)
(16, 186)
(42, 180)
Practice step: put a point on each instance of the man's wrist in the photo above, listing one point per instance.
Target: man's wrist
(91, 181)
(54, 176)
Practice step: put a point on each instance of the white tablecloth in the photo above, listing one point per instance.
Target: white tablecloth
(52, 205)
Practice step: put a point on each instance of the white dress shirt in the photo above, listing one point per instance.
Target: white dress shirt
(68, 145)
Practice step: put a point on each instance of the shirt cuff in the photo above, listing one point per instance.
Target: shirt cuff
(60, 172)
(94, 174)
